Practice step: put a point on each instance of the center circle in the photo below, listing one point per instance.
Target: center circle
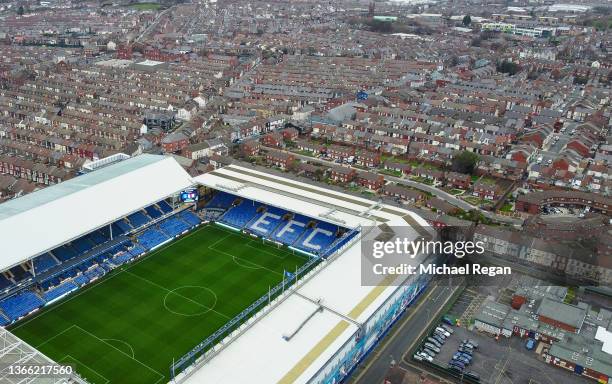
(190, 300)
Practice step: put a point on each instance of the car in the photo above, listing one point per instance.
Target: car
(439, 334)
(473, 375)
(448, 320)
(443, 331)
(418, 357)
(474, 343)
(467, 346)
(432, 347)
(465, 350)
(463, 355)
(447, 328)
(429, 352)
(438, 339)
(462, 360)
(455, 368)
(427, 358)
(457, 364)
(434, 342)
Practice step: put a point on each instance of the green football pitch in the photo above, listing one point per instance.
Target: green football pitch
(129, 326)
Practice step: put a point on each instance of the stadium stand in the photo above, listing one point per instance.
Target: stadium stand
(240, 215)
(138, 219)
(21, 304)
(165, 207)
(4, 282)
(59, 291)
(44, 262)
(151, 238)
(153, 212)
(19, 273)
(221, 200)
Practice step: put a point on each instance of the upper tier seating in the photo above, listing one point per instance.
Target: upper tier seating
(242, 214)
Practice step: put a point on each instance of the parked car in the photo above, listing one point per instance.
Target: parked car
(448, 320)
(530, 344)
(429, 352)
(474, 343)
(438, 339)
(465, 350)
(461, 359)
(443, 331)
(447, 328)
(458, 355)
(432, 347)
(455, 368)
(439, 334)
(434, 342)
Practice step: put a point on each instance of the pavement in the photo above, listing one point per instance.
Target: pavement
(421, 186)
(403, 336)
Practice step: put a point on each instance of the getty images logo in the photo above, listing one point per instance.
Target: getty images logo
(412, 248)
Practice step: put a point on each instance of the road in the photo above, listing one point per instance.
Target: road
(152, 25)
(421, 186)
(403, 336)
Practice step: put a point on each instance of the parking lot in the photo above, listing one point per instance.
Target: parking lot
(504, 361)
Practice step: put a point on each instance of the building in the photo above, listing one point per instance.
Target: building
(370, 180)
(162, 120)
(283, 160)
(174, 142)
(343, 174)
(205, 149)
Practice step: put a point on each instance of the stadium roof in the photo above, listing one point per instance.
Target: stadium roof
(337, 285)
(43, 220)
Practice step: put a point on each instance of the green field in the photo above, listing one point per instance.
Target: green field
(128, 327)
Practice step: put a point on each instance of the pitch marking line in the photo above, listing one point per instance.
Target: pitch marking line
(259, 266)
(124, 343)
(106, 381)
(53, 337)
(178, 294)
(206, 309)
(123, 353)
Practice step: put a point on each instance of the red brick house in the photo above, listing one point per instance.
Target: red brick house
(174, 142)
(458, 180)
(250, 148)
(487, 191)
(280, 159)
(290, 134)
(343, 174)
(370, 180)
(337, 152)
(368, 159)
(273, 139)
(403, 193)
(304, 145)
(399, 167)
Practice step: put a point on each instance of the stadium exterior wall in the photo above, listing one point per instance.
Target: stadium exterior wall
(357, 348)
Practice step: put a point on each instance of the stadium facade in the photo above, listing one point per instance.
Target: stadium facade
(314, 329)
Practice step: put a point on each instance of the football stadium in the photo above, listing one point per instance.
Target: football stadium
(136, 272)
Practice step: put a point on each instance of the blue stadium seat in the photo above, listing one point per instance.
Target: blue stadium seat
(82, 245)
(19, 273)
(318, 239)
(138, 219)
(62, 289)
(190, 218)
(81, 280)
(124, 226)
(241, 215)
(21, 304)
(289, 237)
(266, 226)
(44, 262)
(164, 206)
(151, 238)
(153, 212)
(64, 253)
(4, 282)
(221, 200)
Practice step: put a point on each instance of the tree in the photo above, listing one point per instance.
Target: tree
(467, 20)
(508, 67)
(20, 10)
(465, 162)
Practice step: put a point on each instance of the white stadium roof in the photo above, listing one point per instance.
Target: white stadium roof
(43, 220)
(263, 354)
